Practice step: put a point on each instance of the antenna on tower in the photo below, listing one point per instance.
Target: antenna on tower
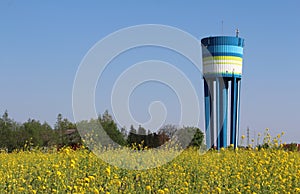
(237, 32)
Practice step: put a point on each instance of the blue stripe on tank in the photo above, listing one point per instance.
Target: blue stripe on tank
(225, 49)
(223, 40)
(213, 54)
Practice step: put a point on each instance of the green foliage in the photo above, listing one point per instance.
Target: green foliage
(132, 137)
(142, 139)
(7, 130)
(66, 132)
(197, 140)
(33, 133)
(37, 134)
(14, 135)
(111, 129)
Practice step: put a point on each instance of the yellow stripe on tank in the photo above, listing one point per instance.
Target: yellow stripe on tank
(222, 58)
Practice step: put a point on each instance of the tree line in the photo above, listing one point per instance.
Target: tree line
(33, 133)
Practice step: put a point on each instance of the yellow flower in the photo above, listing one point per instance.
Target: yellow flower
(58, 173)
(21, 189)
(148, 188)
(278, 136)
(281, 145)
(118, 183)
(96, 191)
(268, 169)
(160, 191)
(101, 189)
(186, 184)
(107, 171)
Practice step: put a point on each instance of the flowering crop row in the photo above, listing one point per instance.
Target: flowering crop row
(226, 171)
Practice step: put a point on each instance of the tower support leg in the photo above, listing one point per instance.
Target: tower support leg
(238, 109)
(212, 115)
(218, 113)
(233, 118)
(207, 104)
(223, 112)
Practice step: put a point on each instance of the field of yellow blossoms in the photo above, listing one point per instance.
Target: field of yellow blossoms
(226, 171)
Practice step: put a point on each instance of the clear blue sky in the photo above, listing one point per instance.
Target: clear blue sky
(43, 42)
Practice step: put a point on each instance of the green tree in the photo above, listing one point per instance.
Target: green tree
(197, 140)
(7, 126)
(47, 135)
(111, 129)
(66, 132)
(37, 134)
(132, 136)
(32, 129)
(189, 136)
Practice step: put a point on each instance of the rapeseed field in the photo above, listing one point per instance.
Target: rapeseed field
(225, 171)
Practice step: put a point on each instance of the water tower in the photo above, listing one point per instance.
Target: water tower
(222, 72)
